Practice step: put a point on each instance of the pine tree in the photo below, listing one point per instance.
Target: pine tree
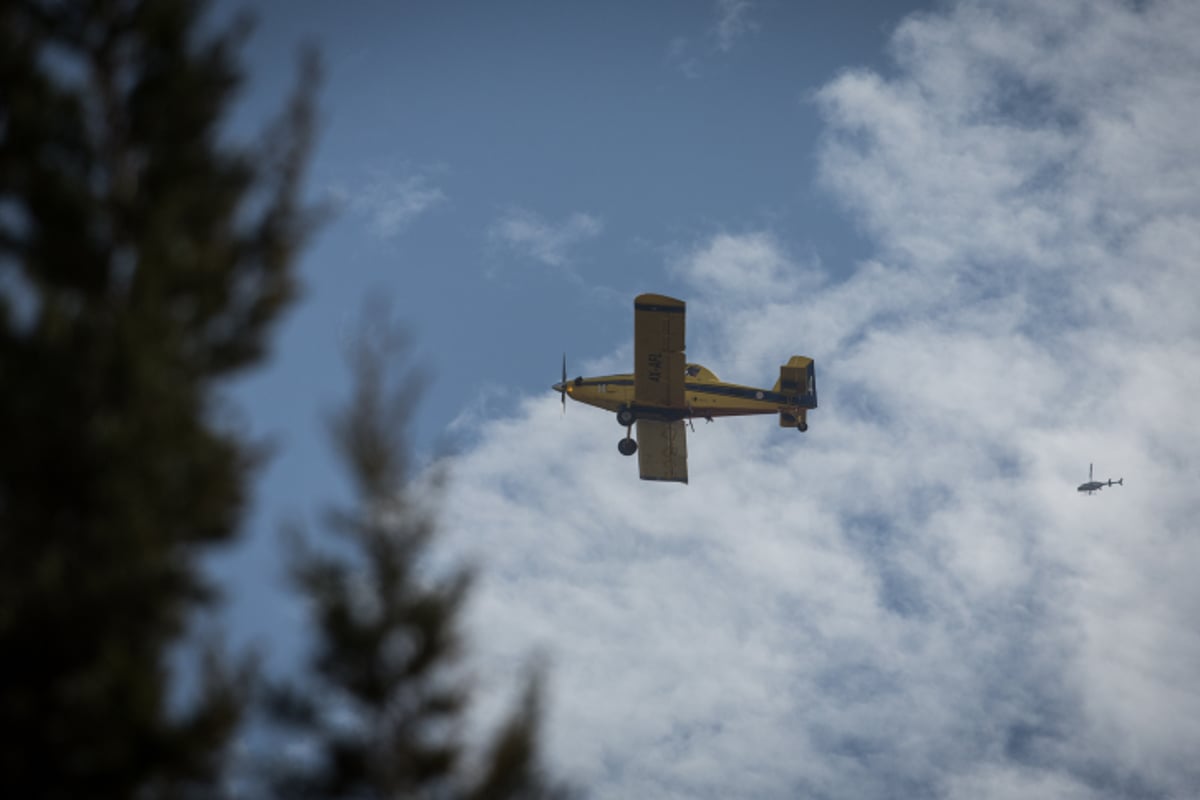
(142, 261)
(381, 705)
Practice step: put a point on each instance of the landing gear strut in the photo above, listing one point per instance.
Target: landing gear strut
(626, 418)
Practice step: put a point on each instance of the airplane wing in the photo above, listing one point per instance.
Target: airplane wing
(662, 450)
(658, 345)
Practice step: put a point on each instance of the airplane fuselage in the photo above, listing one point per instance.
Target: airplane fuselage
(705, 396)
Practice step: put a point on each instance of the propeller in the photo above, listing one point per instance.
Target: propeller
(562, 387)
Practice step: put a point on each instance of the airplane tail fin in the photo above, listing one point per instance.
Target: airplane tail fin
(798, 384)
(798, 380)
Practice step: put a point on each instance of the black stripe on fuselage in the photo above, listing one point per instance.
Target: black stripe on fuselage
(722, 390)
(739, 393)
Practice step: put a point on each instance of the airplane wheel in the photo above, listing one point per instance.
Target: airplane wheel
(627, 447)
(802, 427)
(625, 417)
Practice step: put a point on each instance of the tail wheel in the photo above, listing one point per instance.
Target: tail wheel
(627, 447)
(802, 427)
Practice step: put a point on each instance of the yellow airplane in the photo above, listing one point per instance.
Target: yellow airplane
(664, 391)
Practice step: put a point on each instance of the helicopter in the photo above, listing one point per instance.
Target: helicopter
(1095, 486)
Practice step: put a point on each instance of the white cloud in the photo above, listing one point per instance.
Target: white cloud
(909, 599)
(532, 236)
(679, 55)
(389, 202)
(733, 22)
(750, 266)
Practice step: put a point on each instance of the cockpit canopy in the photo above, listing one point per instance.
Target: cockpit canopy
(695, 372)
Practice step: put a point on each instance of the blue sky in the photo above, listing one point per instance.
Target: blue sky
(981, 219)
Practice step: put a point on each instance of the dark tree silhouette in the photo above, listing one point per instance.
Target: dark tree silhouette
(382, 702)
(142, 260)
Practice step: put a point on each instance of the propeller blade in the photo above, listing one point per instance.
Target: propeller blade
(563, 391)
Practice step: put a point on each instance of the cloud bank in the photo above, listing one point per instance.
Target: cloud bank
(909, 600)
